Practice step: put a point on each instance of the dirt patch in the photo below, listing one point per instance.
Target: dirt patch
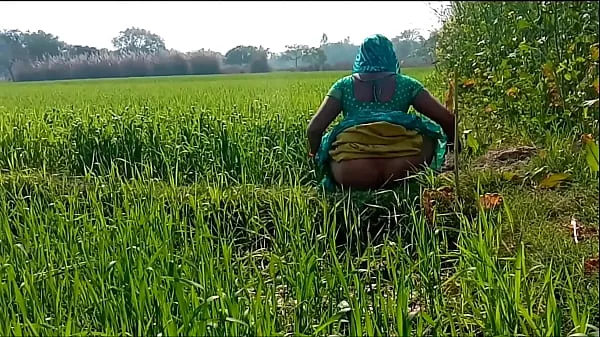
(506, 157)
(579, 231)
(501, 158)
(590, 266)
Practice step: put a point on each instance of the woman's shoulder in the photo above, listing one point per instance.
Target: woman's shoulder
(345, 79)
(339, 87)
(342, 82)
(406, 78)
(408, 86)
(403, 80)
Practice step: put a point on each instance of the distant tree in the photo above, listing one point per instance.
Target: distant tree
(267, 51)
(411, 35)
(339, 53)
(5, 59)
(319, 55)
(204, 63)
(16, 45)
(41, 44)
(209, 52)
(260, 62)
(137, 40)
(430, 44)
(296, 53)
(76, 50)
(12, 49)
(315, 56)
(408, 44)
(240, 55)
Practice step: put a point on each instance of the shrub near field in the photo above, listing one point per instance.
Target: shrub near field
(112, 65)
(187, 206)
(524, 66)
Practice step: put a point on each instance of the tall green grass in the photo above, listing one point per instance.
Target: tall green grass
(186, 206)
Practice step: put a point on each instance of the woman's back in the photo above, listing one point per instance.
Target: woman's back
(363, 93)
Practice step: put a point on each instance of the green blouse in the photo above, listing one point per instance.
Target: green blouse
(407, 88)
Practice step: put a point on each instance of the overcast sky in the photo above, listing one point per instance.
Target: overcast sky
(219, 25)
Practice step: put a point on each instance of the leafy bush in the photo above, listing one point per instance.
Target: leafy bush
(232, 69)
(524, 63)
(171, 64)
(201, 64)
(260, 65)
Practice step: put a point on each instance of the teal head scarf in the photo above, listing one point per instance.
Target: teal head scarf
(376, 54)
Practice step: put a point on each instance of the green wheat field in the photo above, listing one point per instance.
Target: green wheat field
(188, 206)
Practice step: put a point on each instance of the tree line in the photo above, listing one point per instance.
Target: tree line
(28, 56)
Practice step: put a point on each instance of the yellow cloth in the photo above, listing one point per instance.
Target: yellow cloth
(376, 140)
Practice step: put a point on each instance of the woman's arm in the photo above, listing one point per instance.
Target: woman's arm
(328, 111)
(427, 105)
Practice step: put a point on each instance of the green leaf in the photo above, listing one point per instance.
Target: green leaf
(553, 180)
(171, 328)
(472, 142)
(235, 320)
(510, 176)
(327, 323)
(524, 46)
(591, 155)
(523, 24)
(594, 52)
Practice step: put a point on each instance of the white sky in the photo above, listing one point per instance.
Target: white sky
(219, 25)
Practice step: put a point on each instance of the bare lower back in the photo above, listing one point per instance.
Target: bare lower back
(375, 173)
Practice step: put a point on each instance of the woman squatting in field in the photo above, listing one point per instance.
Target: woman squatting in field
(378, 141)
